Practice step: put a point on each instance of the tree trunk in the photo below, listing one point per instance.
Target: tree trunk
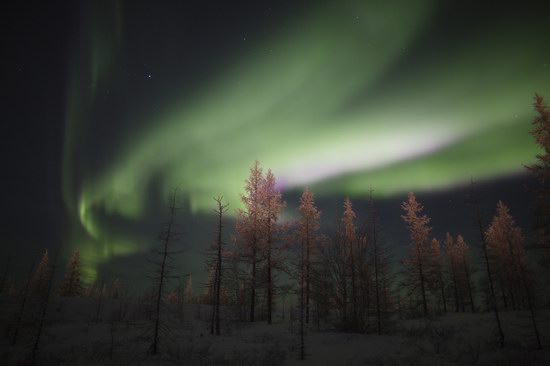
(424, 301)
(22, 308)
(442, 285)
(468, 282)
(307, 279)
(43, 313)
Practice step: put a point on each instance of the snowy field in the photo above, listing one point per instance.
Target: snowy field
(83, 331)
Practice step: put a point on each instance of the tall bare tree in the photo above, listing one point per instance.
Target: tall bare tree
(220, 209)
(163, 273)
(47, 276)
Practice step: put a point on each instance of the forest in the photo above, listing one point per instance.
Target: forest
(292, 291)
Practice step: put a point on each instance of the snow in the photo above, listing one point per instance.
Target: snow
(76, 335)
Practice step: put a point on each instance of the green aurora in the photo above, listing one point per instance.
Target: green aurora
(343, 98)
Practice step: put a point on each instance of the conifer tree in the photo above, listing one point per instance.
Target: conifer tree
(40, 277)
(380, 262)
(505, 243)
(308, 230)
(272, 206)
(350, 238)
(541, 171)
(249, 230)
(454, 263)
(437, 271)
(71, 285)
(417, 261)
(507, 239)
(474, 203)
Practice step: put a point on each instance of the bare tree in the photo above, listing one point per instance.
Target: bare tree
(100, 292)
(221, 208)
(24, 299)
(45, 301)
(162, 274)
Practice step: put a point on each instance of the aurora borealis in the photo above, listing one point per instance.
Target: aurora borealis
(342, 96)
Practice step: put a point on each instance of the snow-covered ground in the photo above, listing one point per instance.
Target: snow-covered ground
(79, 332)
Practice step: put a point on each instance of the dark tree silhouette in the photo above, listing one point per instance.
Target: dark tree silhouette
(221, 208)
(162, 274)
(474, 203)
(24, 299)
(381, 262)
(47, 276)
(39, 280)
(4, 278)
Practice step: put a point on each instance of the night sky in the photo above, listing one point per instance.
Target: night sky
(110, 105)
